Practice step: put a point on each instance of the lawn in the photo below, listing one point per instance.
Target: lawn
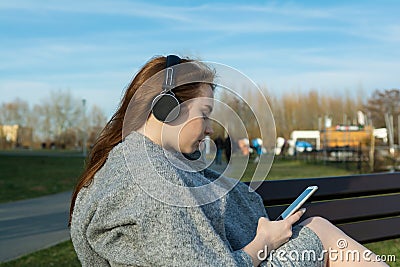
(34, 176)
(59, 255)
(292, 169)
(23, 176)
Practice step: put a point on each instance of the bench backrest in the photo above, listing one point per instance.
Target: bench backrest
(366, 207)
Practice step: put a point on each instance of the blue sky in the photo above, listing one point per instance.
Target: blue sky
(93, 48)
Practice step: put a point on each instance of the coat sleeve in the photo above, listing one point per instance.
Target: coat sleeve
(132, 229)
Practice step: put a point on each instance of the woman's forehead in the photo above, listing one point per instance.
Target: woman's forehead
(206, 91)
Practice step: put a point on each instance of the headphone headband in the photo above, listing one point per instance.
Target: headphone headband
(169, 81)
(173, 60)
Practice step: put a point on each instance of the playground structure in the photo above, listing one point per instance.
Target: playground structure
(337, 137)
(342, 136)
(337, 143)
(348, 143)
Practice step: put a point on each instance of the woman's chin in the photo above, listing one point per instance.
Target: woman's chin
(190, 149)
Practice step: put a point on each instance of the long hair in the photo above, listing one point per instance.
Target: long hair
(112, 135)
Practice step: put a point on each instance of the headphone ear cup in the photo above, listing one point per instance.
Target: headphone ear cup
(165, 107)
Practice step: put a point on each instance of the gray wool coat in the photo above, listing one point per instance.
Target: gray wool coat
(125, 218)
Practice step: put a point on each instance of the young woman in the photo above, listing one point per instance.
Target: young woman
(135, 206)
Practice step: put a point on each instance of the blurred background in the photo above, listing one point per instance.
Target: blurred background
(329, 71)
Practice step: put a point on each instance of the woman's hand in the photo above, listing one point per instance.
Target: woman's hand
(270, 235)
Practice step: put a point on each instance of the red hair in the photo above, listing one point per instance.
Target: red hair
(112, 135)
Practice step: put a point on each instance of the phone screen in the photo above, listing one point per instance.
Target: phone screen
(299, 201)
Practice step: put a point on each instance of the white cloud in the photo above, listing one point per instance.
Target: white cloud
(328, 82)
(126, 8)
(260, 40)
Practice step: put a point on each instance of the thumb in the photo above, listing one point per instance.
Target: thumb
(296, 216)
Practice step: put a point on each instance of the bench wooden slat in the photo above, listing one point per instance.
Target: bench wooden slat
(284, 191)
(339, 211)
(373, 230)
(366, 207)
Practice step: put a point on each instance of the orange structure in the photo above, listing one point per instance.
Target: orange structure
(346, 136)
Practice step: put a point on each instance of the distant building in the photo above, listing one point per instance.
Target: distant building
(13, 136)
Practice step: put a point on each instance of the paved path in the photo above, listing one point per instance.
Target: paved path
(30, 225)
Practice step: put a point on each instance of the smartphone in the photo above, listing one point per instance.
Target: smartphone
(299, 201)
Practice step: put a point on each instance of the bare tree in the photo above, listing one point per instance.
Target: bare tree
(43, 118)
(303, 111)
(15, 112)
(57, 114)
(59, 118)
(96, 117)
(95, 122)
(381, 103)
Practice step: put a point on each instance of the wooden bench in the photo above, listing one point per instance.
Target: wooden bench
(366, 207)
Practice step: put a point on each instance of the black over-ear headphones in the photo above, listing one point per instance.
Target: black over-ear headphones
(165, 106)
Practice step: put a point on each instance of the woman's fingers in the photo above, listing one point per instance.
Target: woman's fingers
(295, 217)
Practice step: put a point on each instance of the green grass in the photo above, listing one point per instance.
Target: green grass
(292, 169)
(40, 175)
(24, 176)
(388, 247)
(59, 255)
(286, 169)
